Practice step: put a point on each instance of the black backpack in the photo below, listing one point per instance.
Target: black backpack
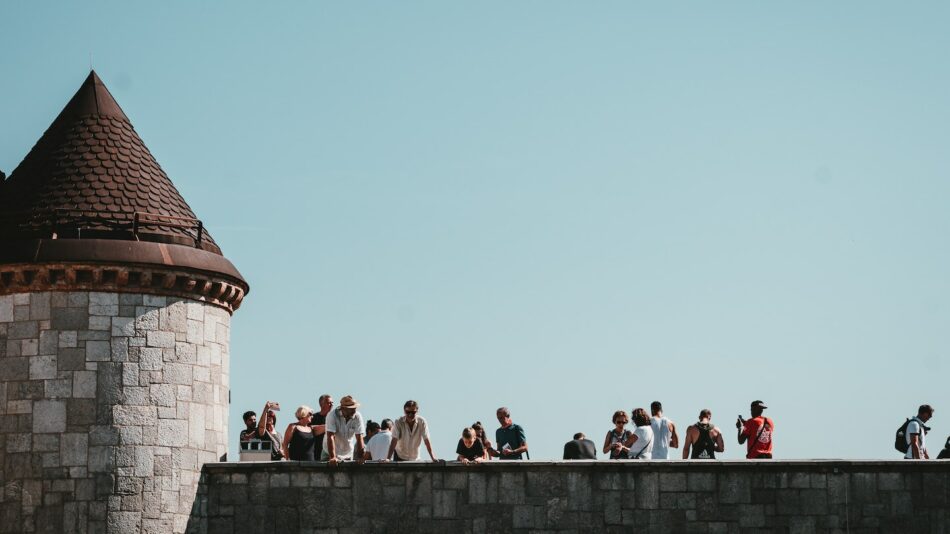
(900, 438)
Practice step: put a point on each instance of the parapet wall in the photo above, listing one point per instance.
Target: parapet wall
(603, 496)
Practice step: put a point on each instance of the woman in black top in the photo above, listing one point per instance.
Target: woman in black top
(299, 440)
(470, 448)
(945, 453)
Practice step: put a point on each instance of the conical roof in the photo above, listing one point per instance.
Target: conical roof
(91, 176)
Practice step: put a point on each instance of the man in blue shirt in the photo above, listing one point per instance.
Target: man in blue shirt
(509, 438)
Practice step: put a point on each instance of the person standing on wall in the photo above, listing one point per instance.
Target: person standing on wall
(664, 433)
(703, 440)
(509, 438)
(916, 434)
(344, 426)
(410, 431)
(319, 422)
(757, 432)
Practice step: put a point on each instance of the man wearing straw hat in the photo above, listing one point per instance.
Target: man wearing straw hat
(343, 425)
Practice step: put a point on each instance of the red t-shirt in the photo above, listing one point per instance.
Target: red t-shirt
(758, 444)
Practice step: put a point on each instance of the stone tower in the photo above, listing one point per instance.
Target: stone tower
(115, 307)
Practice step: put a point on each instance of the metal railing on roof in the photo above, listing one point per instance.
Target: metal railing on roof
(60, 219)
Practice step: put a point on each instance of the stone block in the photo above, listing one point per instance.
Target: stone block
(150, 359)
(39, 306)
(23, 330)
(172, 433)
(6, 308)
(42, 367)
(123, 326)
(49, 342)
(56, 389)
(648, 491)
(68, 338)
(98, 351)
(21, 298)
(162, 394)
(73, 449)
(84, 384)
(701, 481)
(78, 299)
(133, 415)
(178, 373)
(120, 349)
(673, 482)
(101, 459)
(15, 369)
(70, 319)
(49, 416)
(735, 488)
(155, 301)
(100, 322)
(29, 347)
(160, 339)
(123, 522)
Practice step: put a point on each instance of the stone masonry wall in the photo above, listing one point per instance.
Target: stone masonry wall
(619, 496)
(110, 404)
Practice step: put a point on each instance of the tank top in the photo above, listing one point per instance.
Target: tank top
(301, 446)
(618, 438)
(661, 438)
(705, 447)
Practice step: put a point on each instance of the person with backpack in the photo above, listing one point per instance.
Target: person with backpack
(757, 432)
(915, 434)
(703, 440)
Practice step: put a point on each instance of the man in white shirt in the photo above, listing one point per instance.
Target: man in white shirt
(343, 426)
(916, 434)
(409, 432)
(664, 433)
(378, 446)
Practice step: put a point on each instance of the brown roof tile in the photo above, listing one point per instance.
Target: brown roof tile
(90, 160)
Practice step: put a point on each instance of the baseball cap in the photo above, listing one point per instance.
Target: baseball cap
(758, 404)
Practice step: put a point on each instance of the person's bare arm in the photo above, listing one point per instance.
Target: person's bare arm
(360, 448)
(392, 448)
(318, 430)
(688, 442)
(285, 447)
(741, 428)
(429, 448)
(331, 448)
(915, 446)
(720, 444)
(607, 444)
(674, 439)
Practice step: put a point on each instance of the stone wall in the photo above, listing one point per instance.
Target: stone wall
(738, 496)
(110, 403)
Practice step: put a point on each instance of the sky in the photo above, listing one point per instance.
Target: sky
(564, 208)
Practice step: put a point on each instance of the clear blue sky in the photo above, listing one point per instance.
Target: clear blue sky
(566, 208)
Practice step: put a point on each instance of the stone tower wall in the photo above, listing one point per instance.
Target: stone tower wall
(110, 404)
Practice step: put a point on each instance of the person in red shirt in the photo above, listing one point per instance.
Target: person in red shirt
(757, 432)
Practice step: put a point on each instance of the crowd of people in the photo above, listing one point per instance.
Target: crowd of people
(340, 434)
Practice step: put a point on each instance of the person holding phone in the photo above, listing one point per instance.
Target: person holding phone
(267, 432)
(756, 433)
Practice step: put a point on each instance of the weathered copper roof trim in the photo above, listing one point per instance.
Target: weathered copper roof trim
(120, 266)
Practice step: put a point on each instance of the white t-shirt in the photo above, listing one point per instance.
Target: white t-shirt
(642, 449)
(407, 448)
(343, 432)
(914, 427)
(661, 437)
(378, 445)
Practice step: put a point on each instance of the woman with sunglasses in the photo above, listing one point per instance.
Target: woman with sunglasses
(615, 441)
